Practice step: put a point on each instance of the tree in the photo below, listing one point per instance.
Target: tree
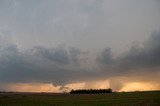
(90, 91)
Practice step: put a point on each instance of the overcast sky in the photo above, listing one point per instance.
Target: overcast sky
(79, 41)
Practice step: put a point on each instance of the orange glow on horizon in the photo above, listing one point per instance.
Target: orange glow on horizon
(103, 84)
(32, 87)
(140, 86)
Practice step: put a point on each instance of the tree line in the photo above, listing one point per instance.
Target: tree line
(90, 91)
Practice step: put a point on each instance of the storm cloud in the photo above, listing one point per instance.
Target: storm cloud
(63, 65)
(74, 41)
(40, 64)
(140, 58)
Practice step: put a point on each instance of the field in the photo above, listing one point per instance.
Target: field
(151, 98)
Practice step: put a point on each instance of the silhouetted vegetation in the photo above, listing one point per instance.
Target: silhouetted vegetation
(90, 91)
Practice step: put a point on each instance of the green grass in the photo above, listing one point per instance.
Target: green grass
(151, 98)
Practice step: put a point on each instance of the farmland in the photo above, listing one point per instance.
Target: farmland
(150, 98)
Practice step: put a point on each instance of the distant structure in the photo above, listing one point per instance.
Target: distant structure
(91, 91)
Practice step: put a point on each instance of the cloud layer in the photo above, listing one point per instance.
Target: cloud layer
(75, 41)
(40, 64)
(139, 56)
(63, 65)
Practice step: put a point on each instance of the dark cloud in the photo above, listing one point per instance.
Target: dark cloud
(40, 64)
(140, 63)
(57, 55)
(105, 57)
(62, 65)
(145, 56)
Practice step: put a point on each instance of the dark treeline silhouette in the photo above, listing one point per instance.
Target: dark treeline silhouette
(90, 91)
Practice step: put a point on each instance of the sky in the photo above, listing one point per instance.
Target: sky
(59, 45)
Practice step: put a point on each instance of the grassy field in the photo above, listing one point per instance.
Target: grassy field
(110, 99)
